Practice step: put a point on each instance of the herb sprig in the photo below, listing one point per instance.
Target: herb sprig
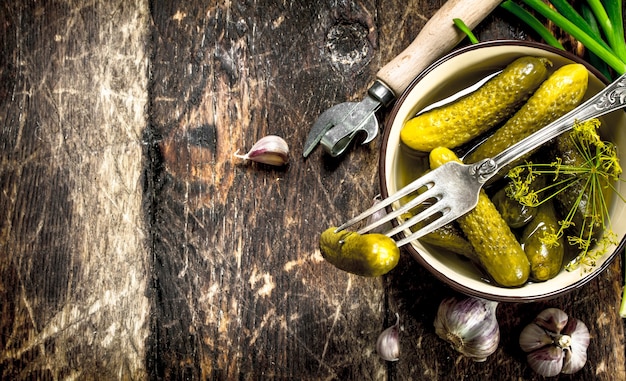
(599, 170)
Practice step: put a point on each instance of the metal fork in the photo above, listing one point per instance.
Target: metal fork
(452, 190)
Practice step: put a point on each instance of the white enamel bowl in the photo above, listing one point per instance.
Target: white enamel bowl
(448, 75)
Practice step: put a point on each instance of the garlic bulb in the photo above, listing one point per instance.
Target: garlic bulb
(388, 343)
(555, 343)
(271, 149)
(470, 325)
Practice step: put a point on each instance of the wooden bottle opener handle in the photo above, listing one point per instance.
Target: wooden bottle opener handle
(437, 38)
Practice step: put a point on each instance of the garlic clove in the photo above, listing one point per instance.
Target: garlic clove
(546, 361)
(576, 355)
(573, 361)
(469, 325)
(534, 337)
(271, 149)
(552, 319)
(577, 329)
(580, 336)
(388, 342)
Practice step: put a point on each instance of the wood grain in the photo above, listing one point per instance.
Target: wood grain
(73, 270)
(238, 270)
(134, 245)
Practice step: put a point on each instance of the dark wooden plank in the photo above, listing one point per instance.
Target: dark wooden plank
(239, 279)
(72, 235)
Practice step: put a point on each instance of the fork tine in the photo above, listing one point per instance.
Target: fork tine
(445, 219)
(418, 200)
(426, 180)
(421, 216)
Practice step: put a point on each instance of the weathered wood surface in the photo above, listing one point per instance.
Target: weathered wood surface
(135, 246)
(75, 262)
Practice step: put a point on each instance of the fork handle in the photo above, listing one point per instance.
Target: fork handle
(611, 98)
(436, 38)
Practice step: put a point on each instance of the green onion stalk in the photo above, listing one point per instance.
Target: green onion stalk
(599, 28)
(465, 29)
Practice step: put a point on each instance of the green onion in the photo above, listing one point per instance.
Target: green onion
(616, 39)
(533, 22)
(592, 42)
(566, 9)
(595, 61)
(465, 29)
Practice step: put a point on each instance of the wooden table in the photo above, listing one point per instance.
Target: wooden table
(134, 245)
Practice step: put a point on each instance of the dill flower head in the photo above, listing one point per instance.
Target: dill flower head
(593, 175)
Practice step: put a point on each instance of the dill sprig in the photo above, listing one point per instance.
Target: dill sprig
(600, 169)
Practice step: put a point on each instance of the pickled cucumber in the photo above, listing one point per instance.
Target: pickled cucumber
(465, 119)
(559, 94)
(361, 254)
(450, 237)
(545, 255)
(514, 213)
(497, 249)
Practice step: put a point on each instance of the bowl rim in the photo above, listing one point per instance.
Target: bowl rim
(385, 193)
